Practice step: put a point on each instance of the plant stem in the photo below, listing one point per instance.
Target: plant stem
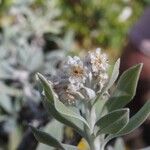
(88, 131)
(95, 143)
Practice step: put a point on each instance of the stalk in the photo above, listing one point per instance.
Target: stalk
(95, 144)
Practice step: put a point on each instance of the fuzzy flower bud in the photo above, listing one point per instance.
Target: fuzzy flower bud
(81, 79)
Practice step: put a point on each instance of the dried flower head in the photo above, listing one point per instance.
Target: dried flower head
(74, 68)
(81, 79)
(96, 62)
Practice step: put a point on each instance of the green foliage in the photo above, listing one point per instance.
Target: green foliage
(23, 52)
(137, 119)
(4, 5)
(100, 22)
(46, 138)
(59, 110)
(93, 22)
(21, 47)
(114, 122)
(56, 129)
(27, 28)
(125, 88)
(114, 75)
(51, 141)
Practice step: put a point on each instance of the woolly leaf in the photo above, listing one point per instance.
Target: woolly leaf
(113, 122)
(125, 89)
(46, 138)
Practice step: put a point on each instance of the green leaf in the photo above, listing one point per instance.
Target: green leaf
(114, 74)
(125, 89)
(46, 138)
(56, 129)
(60, 107)
(6, 70)
(137, 119)
(47, 87)
(50, 104)
(5, 103)
(12, 91)
(14, 137)
(23, 55)
(113, 122)
(78, 126)
(46, 147)
(65, 111)
(33, 64)
(134, 122)
(98, 106)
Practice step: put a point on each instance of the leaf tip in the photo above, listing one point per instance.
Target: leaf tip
(39, 76)
(140, 66)
(118, 60)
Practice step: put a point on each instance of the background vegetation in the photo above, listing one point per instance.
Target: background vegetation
(35, 36)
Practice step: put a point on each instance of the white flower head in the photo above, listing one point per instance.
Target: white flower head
(74, 68)
(81, 79)
(96, 61)
(97, 66)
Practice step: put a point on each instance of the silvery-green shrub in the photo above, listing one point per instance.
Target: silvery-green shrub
(79, 97)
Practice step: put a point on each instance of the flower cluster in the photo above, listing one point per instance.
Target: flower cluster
(81, 79)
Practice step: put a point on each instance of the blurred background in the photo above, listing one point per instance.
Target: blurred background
(36, 35)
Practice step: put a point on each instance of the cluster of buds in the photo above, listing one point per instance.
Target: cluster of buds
(81, 79)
